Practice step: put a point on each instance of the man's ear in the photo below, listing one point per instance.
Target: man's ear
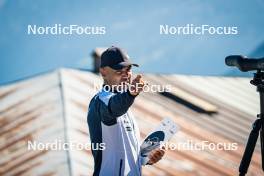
(102, 71)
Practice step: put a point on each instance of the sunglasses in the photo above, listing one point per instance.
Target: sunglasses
(124, 70)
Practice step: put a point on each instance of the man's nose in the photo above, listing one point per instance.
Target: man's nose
(125, 73)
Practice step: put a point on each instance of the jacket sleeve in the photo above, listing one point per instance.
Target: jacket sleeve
(114, 105)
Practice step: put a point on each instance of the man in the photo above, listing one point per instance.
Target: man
(111, 122)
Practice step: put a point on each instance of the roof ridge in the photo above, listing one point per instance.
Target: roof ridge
(59, 73)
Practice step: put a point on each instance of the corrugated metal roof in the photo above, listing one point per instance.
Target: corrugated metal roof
(54, 106)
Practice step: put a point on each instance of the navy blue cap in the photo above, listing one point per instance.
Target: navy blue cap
(115, 58)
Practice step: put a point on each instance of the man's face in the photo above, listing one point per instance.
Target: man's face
(116, 77)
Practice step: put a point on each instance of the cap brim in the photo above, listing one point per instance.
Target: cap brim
(122, 65)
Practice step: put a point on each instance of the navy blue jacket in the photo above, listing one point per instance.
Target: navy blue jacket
(111, 123)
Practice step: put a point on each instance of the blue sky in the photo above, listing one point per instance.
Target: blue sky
(131, 25)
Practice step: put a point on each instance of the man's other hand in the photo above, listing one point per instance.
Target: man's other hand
(155, 156)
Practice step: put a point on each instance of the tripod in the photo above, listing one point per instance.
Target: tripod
(257, 127)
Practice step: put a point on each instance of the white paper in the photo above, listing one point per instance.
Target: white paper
(162, 133)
